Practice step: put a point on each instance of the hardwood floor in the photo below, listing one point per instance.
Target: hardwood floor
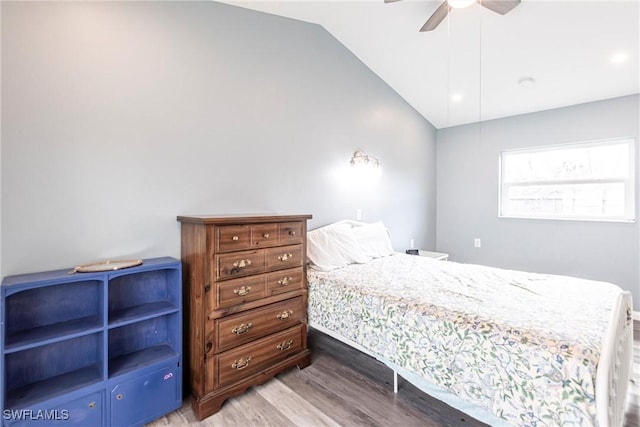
(344, 387)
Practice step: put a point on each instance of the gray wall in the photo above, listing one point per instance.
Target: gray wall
(118, 116)
(467, 197)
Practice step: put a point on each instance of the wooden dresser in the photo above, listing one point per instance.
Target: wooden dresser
(245, 293)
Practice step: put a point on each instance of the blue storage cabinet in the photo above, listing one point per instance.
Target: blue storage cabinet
(91, 349)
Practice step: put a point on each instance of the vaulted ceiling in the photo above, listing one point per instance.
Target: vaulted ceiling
(478, 65)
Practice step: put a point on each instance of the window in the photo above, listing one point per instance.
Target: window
(584, 181)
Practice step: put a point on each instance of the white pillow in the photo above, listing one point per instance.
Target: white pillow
(373, 239)
(333, 246)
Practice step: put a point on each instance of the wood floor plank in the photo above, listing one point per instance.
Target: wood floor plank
(176, 418)
(364, 394)
(257, 410)
(319, 390)
(294, 406)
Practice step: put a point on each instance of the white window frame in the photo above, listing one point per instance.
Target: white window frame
(630, 183)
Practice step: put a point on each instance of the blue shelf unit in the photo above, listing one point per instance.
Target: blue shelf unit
(91, 349)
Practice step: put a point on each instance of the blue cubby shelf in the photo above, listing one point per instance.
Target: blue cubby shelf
(71, 343)
(50, 334)
(142, 312)
(141, 358)
(29, 395)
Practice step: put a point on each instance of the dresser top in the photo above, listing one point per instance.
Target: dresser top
(240, 219)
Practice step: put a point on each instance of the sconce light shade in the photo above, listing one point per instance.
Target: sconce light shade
(361, 159)
(366, 168)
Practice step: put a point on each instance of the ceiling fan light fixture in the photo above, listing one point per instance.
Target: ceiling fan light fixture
(459, 4)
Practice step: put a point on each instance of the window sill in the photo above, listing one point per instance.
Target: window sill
(552, 218)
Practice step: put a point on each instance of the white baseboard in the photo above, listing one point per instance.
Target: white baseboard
(636, 315)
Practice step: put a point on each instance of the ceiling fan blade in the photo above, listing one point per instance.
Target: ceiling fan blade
(500, 6)
(441, 12)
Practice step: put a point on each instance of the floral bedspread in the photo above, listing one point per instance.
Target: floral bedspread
(523, 346)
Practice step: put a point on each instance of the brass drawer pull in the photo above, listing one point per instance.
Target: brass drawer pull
(242, 263)
(92, 405)
(284, 345)
(285, 314)
(292, 233)
(242, 363)
(235, 238)
(285, 257)
(242, 290)
(265, 235)
(242, 328)
(285, 281)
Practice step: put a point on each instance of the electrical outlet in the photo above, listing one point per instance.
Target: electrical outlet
(477, 243)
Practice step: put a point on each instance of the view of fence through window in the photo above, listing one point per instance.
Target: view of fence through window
(585, 181)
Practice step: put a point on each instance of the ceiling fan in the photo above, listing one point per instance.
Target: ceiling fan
(498, 6)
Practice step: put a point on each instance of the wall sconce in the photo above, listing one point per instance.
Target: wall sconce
(360, 159)
(366, 168)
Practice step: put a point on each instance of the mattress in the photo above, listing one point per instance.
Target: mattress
(523, 346)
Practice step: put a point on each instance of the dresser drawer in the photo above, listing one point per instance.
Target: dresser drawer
(232, 238)
(264, 235)
(290, 233)
(238, 264)
(238, 237)
(283, 257)
(285, 281)
(237, 291)
(239, 329)
(248, 359)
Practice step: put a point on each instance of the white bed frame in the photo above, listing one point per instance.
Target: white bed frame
(615, 365)
(612, 376)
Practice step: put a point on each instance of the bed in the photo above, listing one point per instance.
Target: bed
(507, 347)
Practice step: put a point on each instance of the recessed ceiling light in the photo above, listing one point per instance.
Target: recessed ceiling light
(460, 3)
(526, 81)
(619, 57)
(456, 97)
